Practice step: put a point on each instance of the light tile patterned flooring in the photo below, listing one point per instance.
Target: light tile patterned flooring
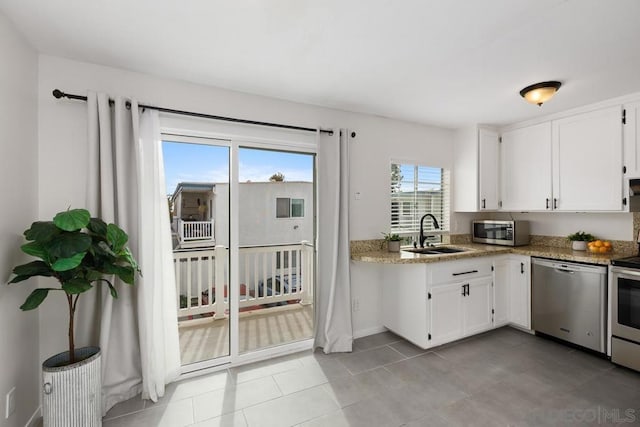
(504, 377)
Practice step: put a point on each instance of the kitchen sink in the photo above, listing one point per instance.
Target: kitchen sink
(435, 250)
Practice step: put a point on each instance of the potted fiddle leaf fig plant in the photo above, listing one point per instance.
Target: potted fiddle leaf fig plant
(78, 251)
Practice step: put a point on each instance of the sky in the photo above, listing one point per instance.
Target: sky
(209, 163)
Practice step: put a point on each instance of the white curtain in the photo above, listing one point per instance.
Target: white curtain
(157, 311)
(334, 329)
(125, 186)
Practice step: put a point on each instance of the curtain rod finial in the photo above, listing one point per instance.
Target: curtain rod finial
(57, 93)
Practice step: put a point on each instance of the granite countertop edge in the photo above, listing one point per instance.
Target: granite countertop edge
(478, 250)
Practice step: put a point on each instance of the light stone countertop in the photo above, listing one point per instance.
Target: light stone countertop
(478, 250)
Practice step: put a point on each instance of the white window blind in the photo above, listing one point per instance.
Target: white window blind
(417, 190)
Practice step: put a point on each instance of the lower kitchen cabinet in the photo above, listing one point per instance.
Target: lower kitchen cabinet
(476, 306)
(404, 302)
(501, 295)
(460, 309)
(520, 291)
(436, 303)
(445, 309)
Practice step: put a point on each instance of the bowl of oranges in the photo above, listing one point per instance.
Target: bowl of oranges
(599, 246)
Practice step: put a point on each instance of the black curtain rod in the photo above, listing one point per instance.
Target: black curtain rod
(59, 94)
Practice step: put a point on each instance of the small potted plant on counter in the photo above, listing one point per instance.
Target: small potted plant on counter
(579, 240)
(393, 241)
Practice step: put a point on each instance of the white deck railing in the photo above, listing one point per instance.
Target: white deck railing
(189, 231)
(269, 276)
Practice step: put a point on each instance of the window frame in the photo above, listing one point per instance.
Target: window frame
(443, 213)
(291, 203)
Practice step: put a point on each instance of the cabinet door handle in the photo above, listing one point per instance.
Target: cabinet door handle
(547, 203)
(465, 290)
(464, 272)
(522, 268)
(484, 203)
(555, 203)
(467, 285)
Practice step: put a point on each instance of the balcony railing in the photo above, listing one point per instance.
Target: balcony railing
(269, 276)
(196, 231)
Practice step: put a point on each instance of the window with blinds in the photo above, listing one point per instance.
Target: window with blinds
(415, 191)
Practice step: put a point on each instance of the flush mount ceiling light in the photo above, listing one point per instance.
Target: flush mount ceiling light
(540, 93)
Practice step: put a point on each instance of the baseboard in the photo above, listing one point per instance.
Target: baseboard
(34, 421)
(369, 331)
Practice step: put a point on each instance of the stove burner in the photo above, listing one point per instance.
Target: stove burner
(631, 262)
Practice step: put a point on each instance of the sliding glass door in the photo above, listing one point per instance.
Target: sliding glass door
(198, 178)
(242, 224)
(276, 254)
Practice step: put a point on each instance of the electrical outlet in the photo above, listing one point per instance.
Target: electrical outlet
(355, 305)
(10, 403)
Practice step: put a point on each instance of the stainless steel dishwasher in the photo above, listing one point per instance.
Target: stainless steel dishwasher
(569, 301)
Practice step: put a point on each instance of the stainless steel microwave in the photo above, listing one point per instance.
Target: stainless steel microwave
(506, 233)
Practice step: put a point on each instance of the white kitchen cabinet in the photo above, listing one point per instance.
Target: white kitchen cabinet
(476, 306)
(632, 139)
(460, 309)
(501, 282)
(526, 168)
(520, 291)
(445, 308)
(475, 170)
(587, 161)
(404, 302)
(489, 155)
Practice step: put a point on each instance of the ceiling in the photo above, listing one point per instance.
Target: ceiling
(446, 63)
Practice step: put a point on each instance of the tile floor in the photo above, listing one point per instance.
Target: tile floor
(502, 378)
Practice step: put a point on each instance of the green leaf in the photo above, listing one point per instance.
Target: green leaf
(93, 275)
(76, 286)
(67, 245)
(98, 226)
(34, 299)
(65, 264)
(127, 257)
(41, 231)
(116, 237)
(125, 273)
(35, 249)
(34, 268)
(72, 220)
(102, 248)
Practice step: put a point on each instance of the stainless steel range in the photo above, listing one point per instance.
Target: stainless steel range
(625, 312)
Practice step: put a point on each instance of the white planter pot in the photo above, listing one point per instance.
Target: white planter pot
(579, 245)
(393, 245)
(72, 393)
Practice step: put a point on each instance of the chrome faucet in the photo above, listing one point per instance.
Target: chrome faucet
(435, 224)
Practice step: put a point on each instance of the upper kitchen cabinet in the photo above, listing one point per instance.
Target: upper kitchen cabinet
(526, 168)
(587, 161)
(632, 139)
(475, 172)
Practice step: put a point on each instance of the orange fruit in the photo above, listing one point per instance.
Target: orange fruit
(597, 243)
(603, 249)
(607, 244)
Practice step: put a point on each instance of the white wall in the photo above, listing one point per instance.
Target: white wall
(610, 226)
(18, 186)
(62, 127)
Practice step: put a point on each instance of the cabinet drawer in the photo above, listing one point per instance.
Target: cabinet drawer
(456, 271)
